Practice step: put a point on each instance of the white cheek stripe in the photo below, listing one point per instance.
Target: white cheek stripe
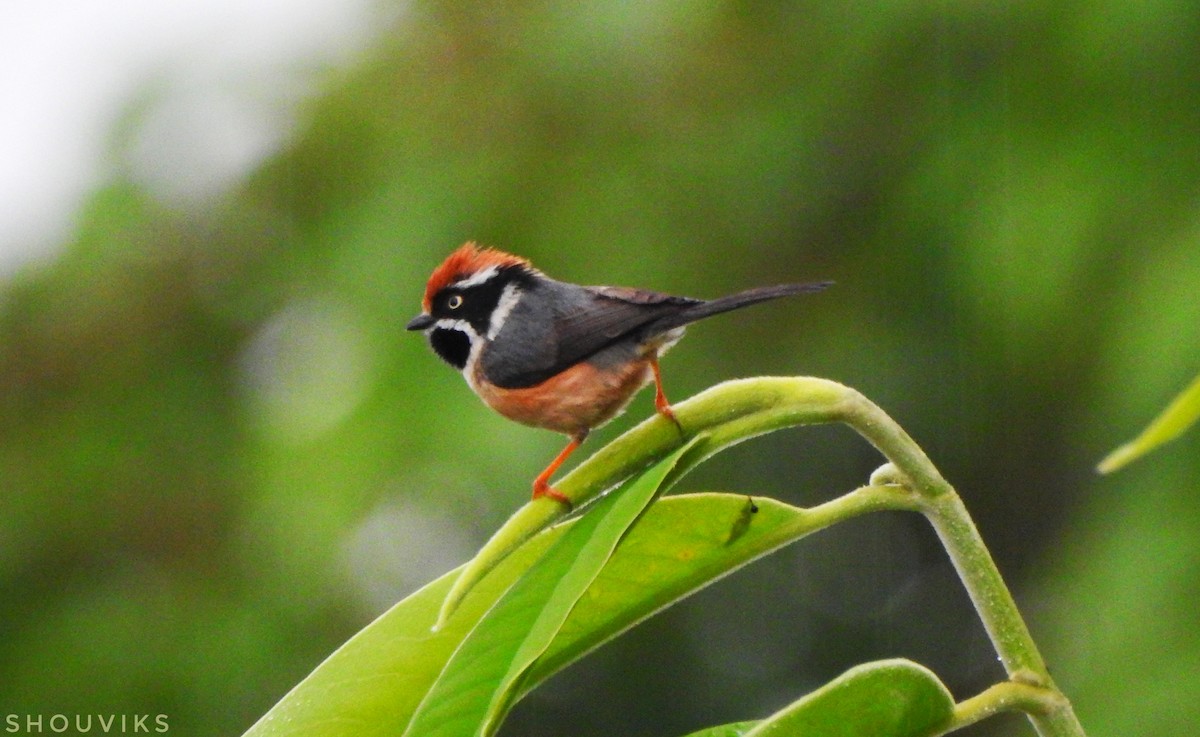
(463, 326)
(508, 300)
(468, 371)
(449, 323)
(477, 278)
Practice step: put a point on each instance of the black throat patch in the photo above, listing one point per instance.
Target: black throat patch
(453, 346)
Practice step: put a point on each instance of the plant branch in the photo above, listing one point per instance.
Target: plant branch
(976, 569)
(728, 413)
(1006, 696)
(944, 509)
(738, 410)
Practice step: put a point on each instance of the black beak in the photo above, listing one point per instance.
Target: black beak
(420, 322)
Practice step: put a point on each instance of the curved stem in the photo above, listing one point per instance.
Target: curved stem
(976, 569)
(945, 511)
(1006, 696)
(727, 413)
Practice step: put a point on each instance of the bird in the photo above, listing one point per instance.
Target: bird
(555, 355)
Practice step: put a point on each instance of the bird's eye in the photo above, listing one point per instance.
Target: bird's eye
(455, 301)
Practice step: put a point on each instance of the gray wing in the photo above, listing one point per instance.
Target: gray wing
(551, 331)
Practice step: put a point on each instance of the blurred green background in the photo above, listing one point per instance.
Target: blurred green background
(221, 455)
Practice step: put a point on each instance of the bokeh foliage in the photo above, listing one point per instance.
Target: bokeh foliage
(221, 455)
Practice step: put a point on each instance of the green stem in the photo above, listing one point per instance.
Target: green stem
(944, 509)
(1006, 696)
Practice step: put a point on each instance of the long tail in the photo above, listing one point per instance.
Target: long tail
(735, 301)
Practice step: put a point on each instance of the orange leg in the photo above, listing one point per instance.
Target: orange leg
(660, 400)
(541, 485)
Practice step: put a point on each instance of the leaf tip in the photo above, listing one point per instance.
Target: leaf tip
(1116, 460)
(1180, 414)
(449, 605)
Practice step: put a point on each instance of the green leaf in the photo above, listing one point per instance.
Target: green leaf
(887, 698)
(681, 543)
(372, 684)
(377, 683)
(1180, 414)
(479, 684)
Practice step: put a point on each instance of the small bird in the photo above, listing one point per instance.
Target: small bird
(555, 355)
